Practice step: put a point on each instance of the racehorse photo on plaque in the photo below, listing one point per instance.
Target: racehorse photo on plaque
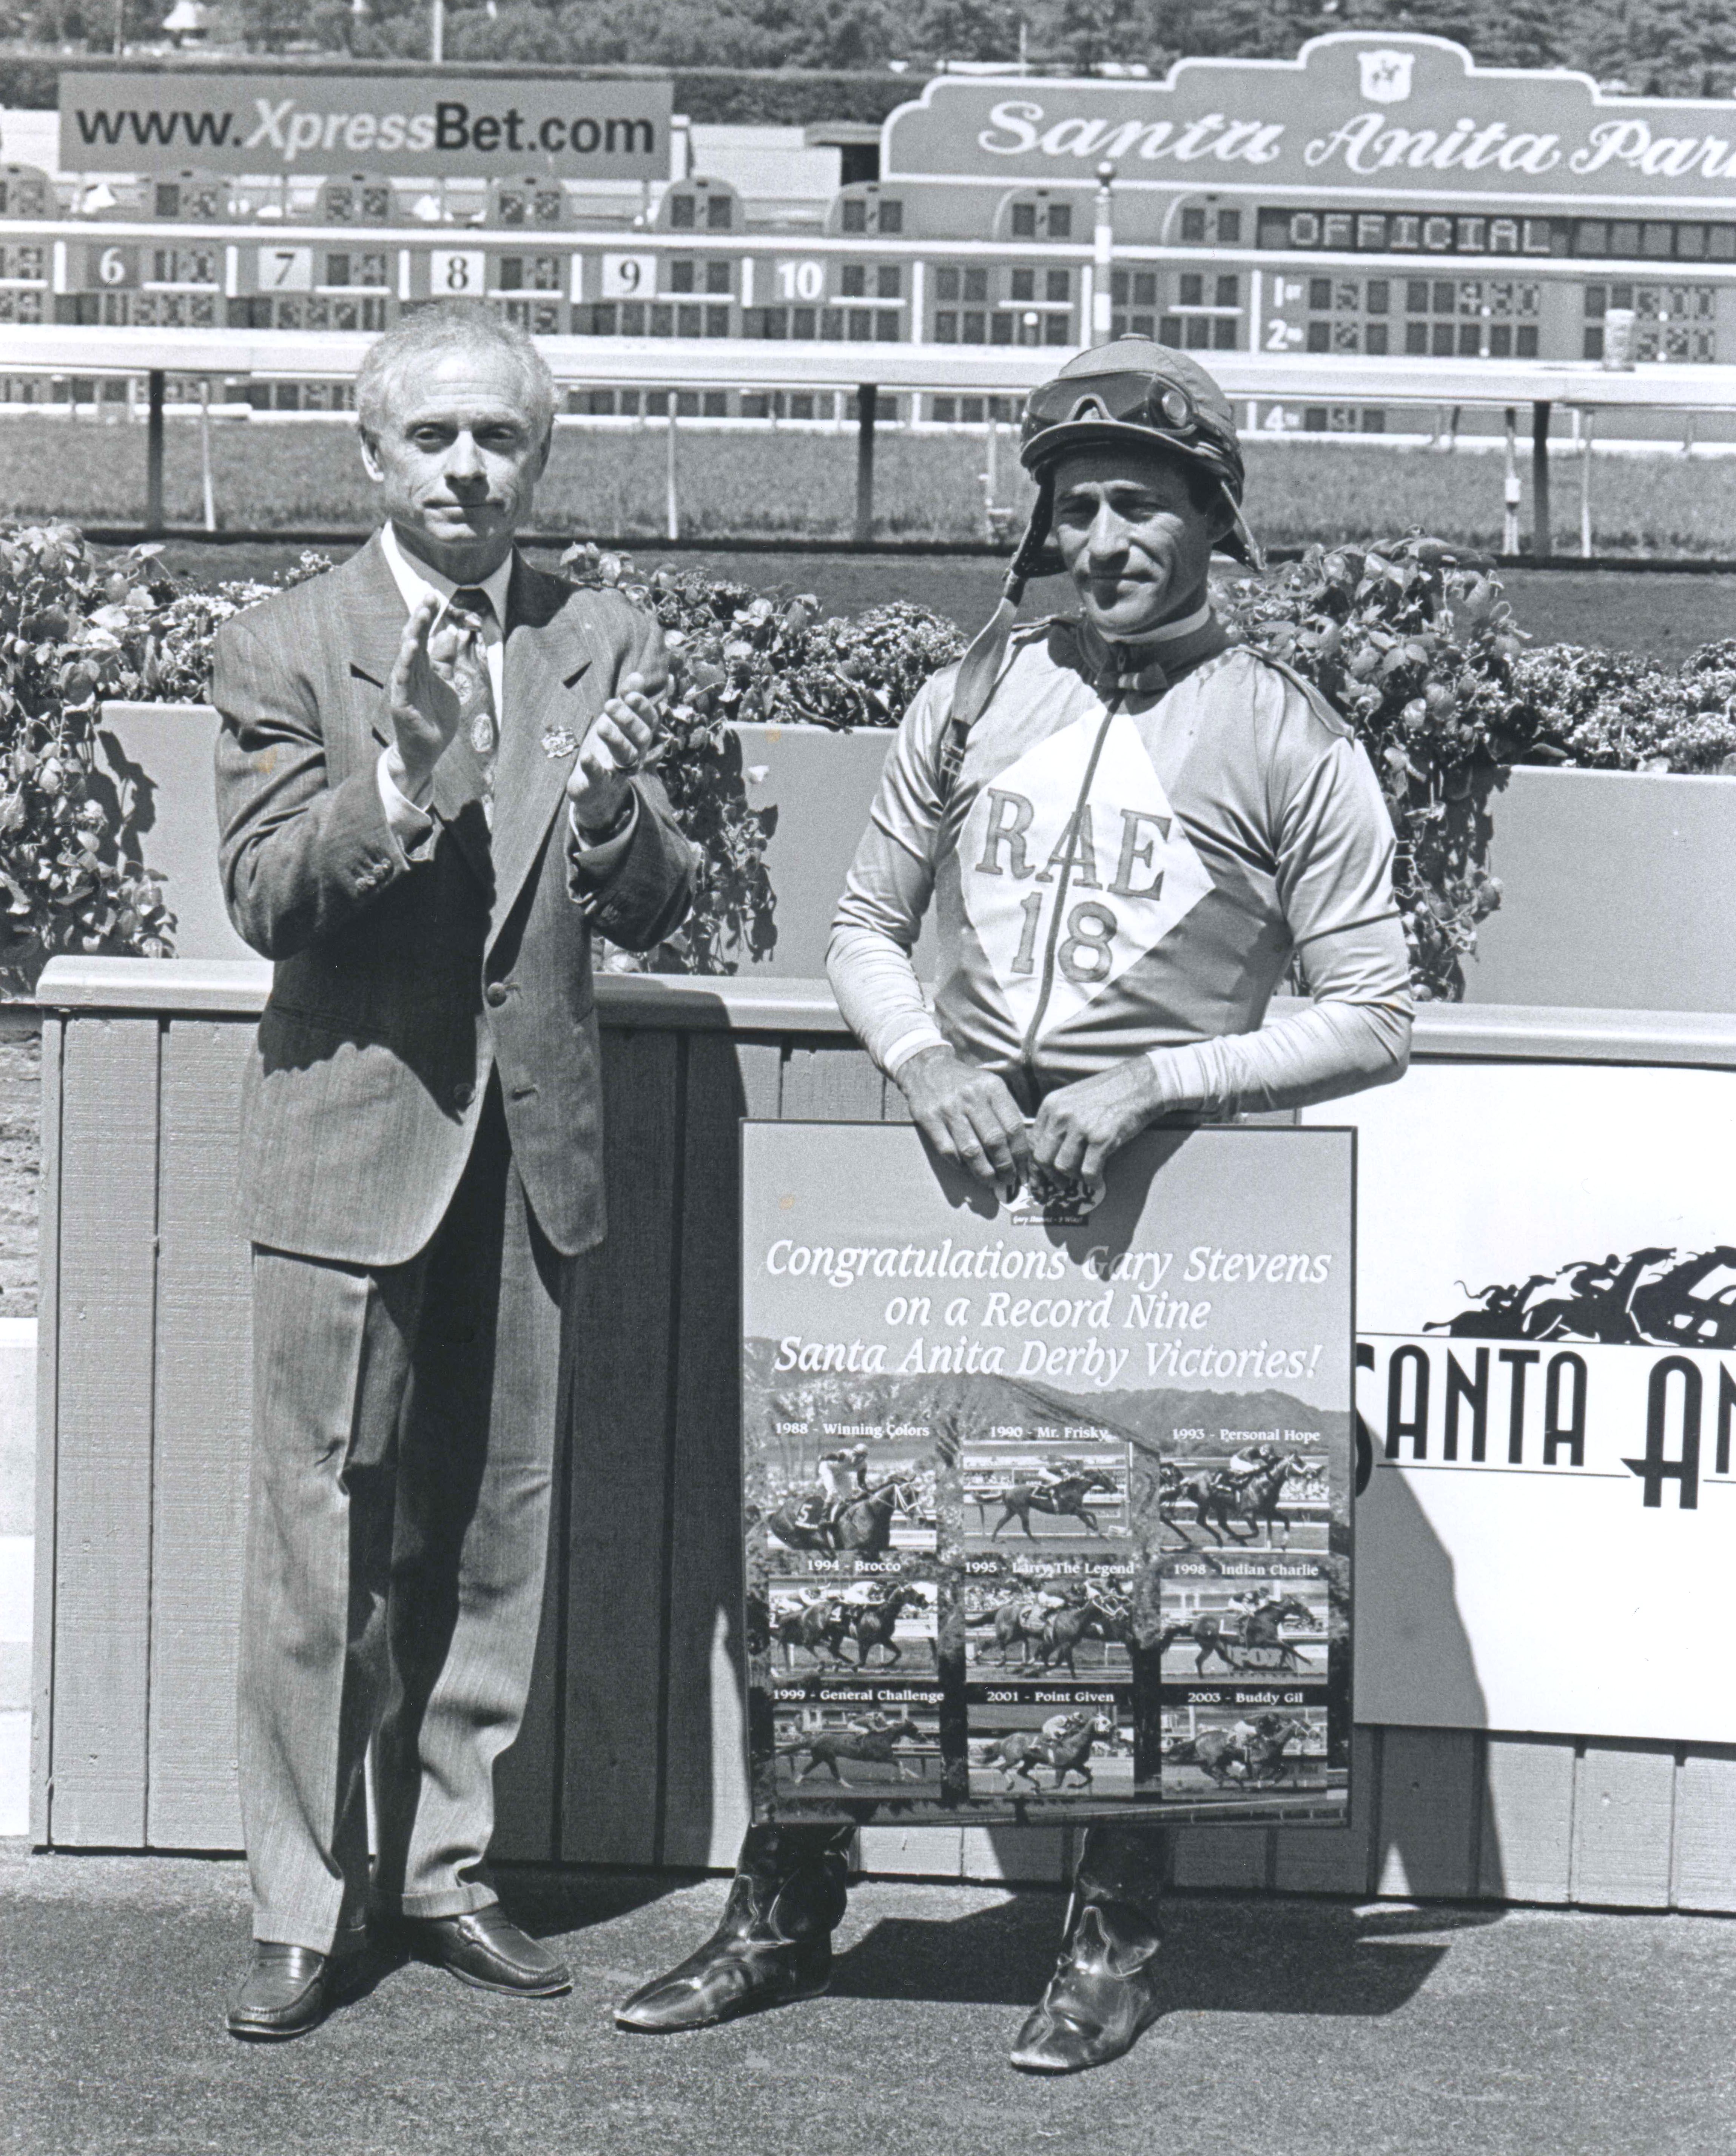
(1047, 1498)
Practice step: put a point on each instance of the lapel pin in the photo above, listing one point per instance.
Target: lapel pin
(558, 742)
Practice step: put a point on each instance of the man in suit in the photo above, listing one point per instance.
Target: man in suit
(431, 795)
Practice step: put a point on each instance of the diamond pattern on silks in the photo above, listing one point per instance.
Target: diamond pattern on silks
(1132, 873)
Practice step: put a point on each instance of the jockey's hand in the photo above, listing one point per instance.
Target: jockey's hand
(966, 1115)
(1079, 1126)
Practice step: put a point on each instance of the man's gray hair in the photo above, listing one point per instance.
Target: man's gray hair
(446, 325)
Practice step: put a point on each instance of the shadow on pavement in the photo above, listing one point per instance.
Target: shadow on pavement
(1220, 1956)
(547, 1903)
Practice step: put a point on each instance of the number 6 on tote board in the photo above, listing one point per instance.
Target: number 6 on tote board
(117, 266)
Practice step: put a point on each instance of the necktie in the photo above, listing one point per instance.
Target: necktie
(474, 609)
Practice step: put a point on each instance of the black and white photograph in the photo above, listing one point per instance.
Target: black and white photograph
(1068, 1616)
(867, 1017)
(882, 1623)
(1278, 1621)
(1033, 1741)
(883, 1742)
(1247, 1738)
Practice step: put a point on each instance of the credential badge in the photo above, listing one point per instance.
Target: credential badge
(558, 742)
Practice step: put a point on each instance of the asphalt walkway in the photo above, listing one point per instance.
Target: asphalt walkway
(1295, 2028)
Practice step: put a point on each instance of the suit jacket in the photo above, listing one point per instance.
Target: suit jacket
(400, 985)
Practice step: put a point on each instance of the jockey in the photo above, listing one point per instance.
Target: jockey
(1053, 1474)
(1244, 1466)
(844, 1476)
(1129, 829)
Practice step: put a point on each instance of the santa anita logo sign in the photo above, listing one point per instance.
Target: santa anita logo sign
(1352, 113)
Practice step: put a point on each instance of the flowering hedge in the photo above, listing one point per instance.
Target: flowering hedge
(1608, 711)
(1412, 641)
(77, 627)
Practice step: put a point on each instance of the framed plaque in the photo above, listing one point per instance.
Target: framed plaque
(1047, 1495)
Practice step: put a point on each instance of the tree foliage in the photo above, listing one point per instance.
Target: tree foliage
(1654, 48)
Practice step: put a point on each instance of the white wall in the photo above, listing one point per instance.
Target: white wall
(17, 1520)
(30, 138)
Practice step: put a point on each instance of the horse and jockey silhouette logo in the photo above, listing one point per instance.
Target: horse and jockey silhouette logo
(1386, 76)
(1657, 1296)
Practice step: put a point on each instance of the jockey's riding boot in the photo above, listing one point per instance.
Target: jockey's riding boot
(1103, 1995)
(774, 1943)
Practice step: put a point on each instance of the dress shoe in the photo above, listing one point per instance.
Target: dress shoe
(484, 1947)
(773, 1946)
(288, 1991)
(1102, 1998)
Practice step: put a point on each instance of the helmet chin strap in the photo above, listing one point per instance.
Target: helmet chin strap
(980, 668)
(1238, 524)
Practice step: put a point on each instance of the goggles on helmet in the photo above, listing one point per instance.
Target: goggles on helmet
(1163, 411)
(1137, 400)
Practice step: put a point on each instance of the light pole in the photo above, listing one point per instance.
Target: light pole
(1103, 255)
(437, 33)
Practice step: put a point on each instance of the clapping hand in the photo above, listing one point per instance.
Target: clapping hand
(424, 696)
(620, 743)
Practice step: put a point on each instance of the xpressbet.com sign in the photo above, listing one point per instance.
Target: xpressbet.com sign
(418, 126)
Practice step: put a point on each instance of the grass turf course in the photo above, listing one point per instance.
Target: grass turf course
(288, 474)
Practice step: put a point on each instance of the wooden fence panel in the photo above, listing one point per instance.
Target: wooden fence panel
(1222, 1856)
(1334, 1860)
(1428, 1812)
(1526, 1838)
(1021, 1856)
(1705, 1839)
(911, 1852)
(632, 1751)
(833, 1081)
(617, 1536)
(704, 1798)
(1624, 1811)
(107, 1339)
(203, 1423)
(48, 1394)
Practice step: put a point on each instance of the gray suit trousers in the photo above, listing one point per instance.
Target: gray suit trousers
(405, 1423)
